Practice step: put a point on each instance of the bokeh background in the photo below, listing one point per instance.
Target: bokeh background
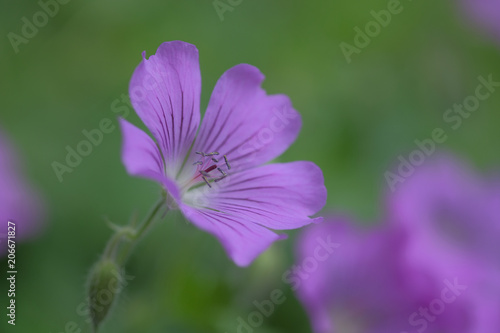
(357, 118)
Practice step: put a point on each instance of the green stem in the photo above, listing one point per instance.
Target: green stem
(110, 250)
(115, 254)
(147, 222)
(133, 236)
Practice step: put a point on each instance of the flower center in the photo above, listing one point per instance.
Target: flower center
(210, 167)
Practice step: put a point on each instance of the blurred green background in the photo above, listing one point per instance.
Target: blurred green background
(357, 118)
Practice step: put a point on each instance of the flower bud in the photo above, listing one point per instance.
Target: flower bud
(105, 282)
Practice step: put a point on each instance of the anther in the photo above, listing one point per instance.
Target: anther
(212, 153)
(200, 153)
(227, 162)
(198, 163)
(210, 168)
(215, 160)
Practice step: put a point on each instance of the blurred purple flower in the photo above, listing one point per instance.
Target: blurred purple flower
(433, 267)
(366, 286)
(452, 221)
(217, 181)
(18, 201)
(454, 211)
(485, 14)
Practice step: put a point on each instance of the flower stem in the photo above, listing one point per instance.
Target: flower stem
(133, 236)
(147, 222)
(106, 274)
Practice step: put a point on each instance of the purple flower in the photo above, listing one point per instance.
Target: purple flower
(433, 267)
(217, 180)
(485, 14)
(368, 286)
(18, 201)
(456, 212)
(452, 220)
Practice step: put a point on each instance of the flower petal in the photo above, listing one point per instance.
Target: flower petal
(140, 154)
(367, 285)
(141, 157)
(245, 123)
(243, 241)
(165, 92)
(244, 205)
(448, 205)
(278, 196)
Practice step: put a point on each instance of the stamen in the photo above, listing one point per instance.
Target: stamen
(223, 173)
(227, 162)
(219, 179)
(205, 174)
(206, 181)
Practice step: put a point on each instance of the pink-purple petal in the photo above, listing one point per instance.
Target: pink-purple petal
(141, 157)
(367, 285)
(278, 196)
(445, 203)
(246, 204)
(165, 92)
(245, 123)
(242, 240)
